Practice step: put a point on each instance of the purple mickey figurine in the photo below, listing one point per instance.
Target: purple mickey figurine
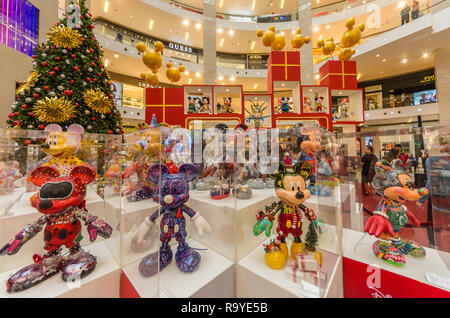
(172, 194)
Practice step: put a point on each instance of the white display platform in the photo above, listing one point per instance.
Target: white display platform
(214, 278)
(255, 279)
(358, 246)
(22, 214)
(103, 282)
(231, 220)
(8, 200)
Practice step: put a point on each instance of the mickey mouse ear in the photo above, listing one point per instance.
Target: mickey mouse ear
(43, 174)
(53, 128)
(76, 129)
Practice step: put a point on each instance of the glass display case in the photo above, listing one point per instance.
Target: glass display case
(396, 225)
(57, 236)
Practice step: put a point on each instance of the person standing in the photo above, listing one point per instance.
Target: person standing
(402, 156)
(405, 13)
(368, 168)
(415, 10)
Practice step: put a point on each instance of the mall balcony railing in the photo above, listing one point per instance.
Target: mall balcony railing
(248, 61)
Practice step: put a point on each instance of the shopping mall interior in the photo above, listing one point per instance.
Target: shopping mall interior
(355, 92)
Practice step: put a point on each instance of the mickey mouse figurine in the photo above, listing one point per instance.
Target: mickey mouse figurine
(395, 186)
(291, 189)
(172, 194)
(61, 200)
(62, 146)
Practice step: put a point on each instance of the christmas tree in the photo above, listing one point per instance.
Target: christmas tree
(69, 83)
(311, 238)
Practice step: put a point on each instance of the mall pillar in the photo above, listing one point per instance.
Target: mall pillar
(209, 42)
(306, 52)
(442, 73)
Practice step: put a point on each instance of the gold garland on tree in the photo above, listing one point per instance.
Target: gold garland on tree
(54, 110)
(65, 37)
(98, 101)
(29, 83)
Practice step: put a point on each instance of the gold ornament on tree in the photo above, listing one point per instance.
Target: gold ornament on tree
(350, 38)
(299, 40)
(29, 83)
(270, 39)
(54, 110)
(98, 101)
(65, 37)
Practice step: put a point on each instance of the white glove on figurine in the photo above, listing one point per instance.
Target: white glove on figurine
(201, 224)
(143, 230)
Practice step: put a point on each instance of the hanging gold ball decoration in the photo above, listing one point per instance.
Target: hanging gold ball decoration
(29, 83)
(54, 110)
(65, 37)
(98, 101)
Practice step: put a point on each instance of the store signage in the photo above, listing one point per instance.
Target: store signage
(180, 47)
(318, 14)
(428, 79)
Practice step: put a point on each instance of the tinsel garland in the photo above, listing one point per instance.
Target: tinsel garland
(65, 37)
(54, 110)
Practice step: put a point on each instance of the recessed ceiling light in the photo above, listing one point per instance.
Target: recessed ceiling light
(252, 46)
(106, 8)
(186, 73)
(253, 4)
(150, 26)
(317, 76)
(220, 3)
(190, 81)
(231, 32)
(197, 74)
(116, 56)
(220, 30)
(106, 63)
(221, 78)
(404, 61)
(221, 42)
(328, 27)
(198, 26)
(378, 55)
(232, 78)
(282, 4)
(255, 86)
(384, 60)
(186, 37)
(185, 22)
(315, 28)
(425, 55)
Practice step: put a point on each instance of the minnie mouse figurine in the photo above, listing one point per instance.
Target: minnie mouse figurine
(395, 186)
(172, 194)
(61, 200)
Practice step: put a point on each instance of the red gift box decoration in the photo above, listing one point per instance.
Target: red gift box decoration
(159, 99)
(339, 75)
(284, 66)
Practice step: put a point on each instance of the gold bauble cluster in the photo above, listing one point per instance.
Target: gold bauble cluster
(98, 101)
(328, 46)
(299, 40)
(173, 73)
(65, 37)
(29, 83)
(350, 38)
(54, 110)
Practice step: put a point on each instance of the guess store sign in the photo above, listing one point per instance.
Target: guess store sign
(180, 47)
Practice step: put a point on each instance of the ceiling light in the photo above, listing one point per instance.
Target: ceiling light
(106, 63)
(198, 26)
(190, 81)
(106, 8)
(116, 56)
(316, 28)
(221, 42)
(221, 78)
(232, 78)
(384, 60)
(282, 33)
(197, 74)
(221, 4)
(186, 73)
(231, 32)
(186, 37)
(404, 61)
(401, 4)
(255, 86)
(150, 26)
(317, 76)
(252, 46)
(425, 55)
(378, 55)
(253, 4)
(220, 30)
(293, 31)
(328, 27)
(185, 22)
(282, 4)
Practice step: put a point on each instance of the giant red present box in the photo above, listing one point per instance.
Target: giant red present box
(283, 66)
(339, 75)
(161, 101)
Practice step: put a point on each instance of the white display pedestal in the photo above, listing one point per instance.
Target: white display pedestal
(8, 200)
(213, 279)
(103, 282)
(255, 279)
(358, 246)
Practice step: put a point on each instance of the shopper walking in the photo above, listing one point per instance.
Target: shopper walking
(415, 10)
(368, 168)
(405, 13)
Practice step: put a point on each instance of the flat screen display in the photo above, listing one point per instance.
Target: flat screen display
(425, 97)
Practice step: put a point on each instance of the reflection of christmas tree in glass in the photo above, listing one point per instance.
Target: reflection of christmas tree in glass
(69, 83)
(311, 238)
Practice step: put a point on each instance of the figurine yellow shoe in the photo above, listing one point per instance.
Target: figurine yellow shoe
(285, 249)
(297, 248)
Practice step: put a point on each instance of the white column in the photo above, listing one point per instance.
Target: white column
(306, 52)
(442, 73)
(209, 42)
